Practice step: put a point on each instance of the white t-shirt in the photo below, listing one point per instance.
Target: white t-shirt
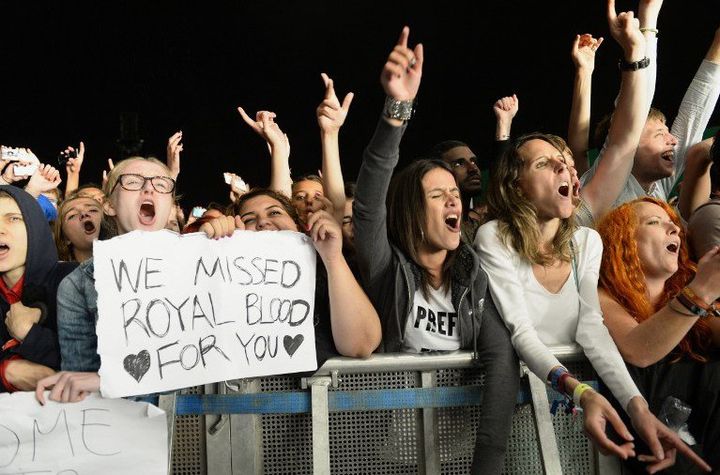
(433, 323)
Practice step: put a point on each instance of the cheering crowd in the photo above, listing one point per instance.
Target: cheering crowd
(556, 251)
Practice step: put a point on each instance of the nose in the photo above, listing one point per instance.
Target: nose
(262, 224)
(673, 228)
(148, 186)
(671, 139)
(473, 167)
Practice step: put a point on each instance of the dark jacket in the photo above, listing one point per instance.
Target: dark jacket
(390, 280)
(43, 274)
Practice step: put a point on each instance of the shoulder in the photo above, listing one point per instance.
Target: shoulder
(587, 237)
(487, 234)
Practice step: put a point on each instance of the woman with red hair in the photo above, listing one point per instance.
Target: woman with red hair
(658, 307)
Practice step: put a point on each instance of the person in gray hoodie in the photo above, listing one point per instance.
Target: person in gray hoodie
(427, 286)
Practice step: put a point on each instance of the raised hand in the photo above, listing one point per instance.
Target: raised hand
(264, 125)
(331, 114)
(111, 165)
(505, 108)
(648, 12)
(224, 226)
(583, 51)
(625, 28)
(45, 178)
(73, 165)
(174, 147)
(706, 283)
(326, 234)
(400, 77)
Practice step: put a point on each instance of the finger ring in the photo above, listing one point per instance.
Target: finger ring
(413, 61)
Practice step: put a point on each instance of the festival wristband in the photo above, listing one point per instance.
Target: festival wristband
(579, 390)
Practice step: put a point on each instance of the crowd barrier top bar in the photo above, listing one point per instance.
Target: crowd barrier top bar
(424, 361)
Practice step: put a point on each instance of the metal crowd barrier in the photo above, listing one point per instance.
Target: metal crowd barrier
(388, 414)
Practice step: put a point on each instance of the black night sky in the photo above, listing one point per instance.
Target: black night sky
(69, 69)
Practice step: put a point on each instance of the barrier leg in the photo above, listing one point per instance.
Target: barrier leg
(167, 404)
(431, 453)
(246, 435)
(320, 424)
(543, 422)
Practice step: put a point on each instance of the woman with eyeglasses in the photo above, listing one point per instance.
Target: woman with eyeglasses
(139, 196)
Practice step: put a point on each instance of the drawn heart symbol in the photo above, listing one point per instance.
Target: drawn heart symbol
(291, 344)
(137, 365)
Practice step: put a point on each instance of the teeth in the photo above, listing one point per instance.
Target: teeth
(564, 183)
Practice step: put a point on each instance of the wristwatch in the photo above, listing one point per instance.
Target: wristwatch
(400, 110)
(625, 66)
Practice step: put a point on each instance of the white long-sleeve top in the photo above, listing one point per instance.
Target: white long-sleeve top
(537, 318)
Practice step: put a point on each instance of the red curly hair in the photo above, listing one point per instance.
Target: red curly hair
(622, 277)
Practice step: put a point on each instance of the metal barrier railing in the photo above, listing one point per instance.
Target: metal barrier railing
(236, 434)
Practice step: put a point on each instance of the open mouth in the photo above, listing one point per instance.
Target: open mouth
(452, 221)
(4, 249)
(672, 247)
(564, 189)
(668, 156)
(89, 227)
(147, 213)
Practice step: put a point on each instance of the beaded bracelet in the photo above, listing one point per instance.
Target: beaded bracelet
(690, 305)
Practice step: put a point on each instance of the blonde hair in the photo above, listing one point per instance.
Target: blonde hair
(517, 216)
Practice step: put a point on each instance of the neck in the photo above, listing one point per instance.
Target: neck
(11, 277)
(654, 289)
(548, 230)
(433, 262)
(644, 182)
(81, 255)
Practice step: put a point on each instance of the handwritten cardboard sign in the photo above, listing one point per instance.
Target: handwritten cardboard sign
(179, 311)
(108, 436)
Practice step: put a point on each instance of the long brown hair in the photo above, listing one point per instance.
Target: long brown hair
(622, 277)
(406, 223)
(517, 216)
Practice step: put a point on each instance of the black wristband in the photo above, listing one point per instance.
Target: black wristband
(625, 66)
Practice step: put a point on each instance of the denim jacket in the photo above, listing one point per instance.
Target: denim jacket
(77, 316)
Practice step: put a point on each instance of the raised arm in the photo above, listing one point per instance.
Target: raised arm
(583, 56)
(696, 108)
(696, 187)
(505, 110)
(72, 167)
(278, 144)
(646, 343)
(174, 148)
(616, 161)
(355, 328)
(331, 116)
(400, 79)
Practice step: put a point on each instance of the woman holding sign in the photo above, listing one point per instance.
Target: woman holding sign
(427, 285)
(353, 327)
(140, 196)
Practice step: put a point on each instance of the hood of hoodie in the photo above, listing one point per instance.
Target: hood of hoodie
(42, 255)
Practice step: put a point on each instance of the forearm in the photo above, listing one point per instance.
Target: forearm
(40, 345)
(627, 125)
(280, 179)
(356, 328)
(502, 129)
(369, 211)
(696, 183)
(713, 54)
(579, 126)
(72, 183)
(333, 183)
(24, 376)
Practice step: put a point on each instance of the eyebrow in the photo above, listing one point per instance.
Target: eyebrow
(266, 209)
(437, 188)
(13, 213)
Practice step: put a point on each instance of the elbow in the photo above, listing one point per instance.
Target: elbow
(360, 347)
(639, 359)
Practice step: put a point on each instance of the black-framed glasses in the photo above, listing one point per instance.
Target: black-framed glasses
(135, 182)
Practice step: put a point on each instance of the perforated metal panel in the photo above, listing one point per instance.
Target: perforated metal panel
(390, 441)
(287, 438)
(189, 442)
